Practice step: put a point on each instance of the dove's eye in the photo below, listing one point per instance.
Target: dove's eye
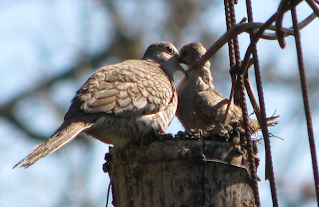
(170, 50)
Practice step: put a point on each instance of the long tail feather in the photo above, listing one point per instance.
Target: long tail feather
(66, 133)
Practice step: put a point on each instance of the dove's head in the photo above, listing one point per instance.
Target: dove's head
(190, 54)
(166, 54)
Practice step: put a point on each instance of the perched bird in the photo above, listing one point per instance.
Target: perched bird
(120, 102)
(199, 105)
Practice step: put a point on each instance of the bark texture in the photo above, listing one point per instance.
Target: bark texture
(181, 173)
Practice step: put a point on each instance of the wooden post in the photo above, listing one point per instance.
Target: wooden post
(181, 173)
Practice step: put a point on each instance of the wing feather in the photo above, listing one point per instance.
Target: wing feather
(133, 87)
(211, 105)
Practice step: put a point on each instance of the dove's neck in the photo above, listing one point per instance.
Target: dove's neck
(206, 75)
(170, 67)
(201, 77)
(168, 64)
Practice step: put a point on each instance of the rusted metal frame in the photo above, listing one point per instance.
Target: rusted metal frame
(262, 29)
(231, 51)
(245, 27)
(262, 114)
(304, 89)
(233, 31)
(289, 31)
(313, 6)
(280, 16)
(238, 91)
(236, 55)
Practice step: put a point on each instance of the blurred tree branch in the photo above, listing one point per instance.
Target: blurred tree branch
(123, 45)
(181, 21)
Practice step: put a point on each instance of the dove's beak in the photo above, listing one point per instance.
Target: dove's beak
(172, 66)
(178, 66)
(181, 60)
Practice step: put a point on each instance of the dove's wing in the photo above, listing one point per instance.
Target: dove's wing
(211, 106)
(133, 87)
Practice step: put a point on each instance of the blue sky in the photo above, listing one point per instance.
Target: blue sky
(32, 51)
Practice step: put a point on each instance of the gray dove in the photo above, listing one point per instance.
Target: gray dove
(199, 105)
(120, 102)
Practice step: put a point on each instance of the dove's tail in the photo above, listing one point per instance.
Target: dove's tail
(66, 133)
